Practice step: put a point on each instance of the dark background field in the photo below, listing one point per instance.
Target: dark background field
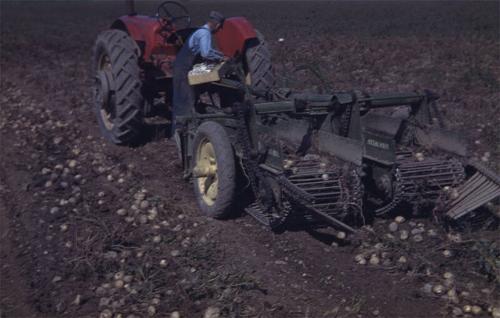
(57, 262)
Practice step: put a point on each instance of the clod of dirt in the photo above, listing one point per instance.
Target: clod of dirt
(104, 302)
(447, 253)
(151, 310)
(212, 312)
(128, 278)
(432, 233)
(119, 283)
(72, 163)
(403, 235)
(418, 238)
(129, 219)
(360, 259)
(175, 253)
(393, 226)
(402, 260)
(476, 310)
(175, 314)
(467, 308)
(457, 312)
(419, 156)
(155, 301)
(56, 279)
(452, 296)
(374, 260)
(144, 204)
(438, 289)
(78, 300)
(106, 313)
(152, 213)
(399, 219)
(417, 230)
(495, 312)
(143, 219)
(448, 275)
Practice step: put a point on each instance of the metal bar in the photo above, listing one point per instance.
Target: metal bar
(388, 100)
(473, 206)
(333, 221)
(218, 115)
(333, 204)
(317, 191)
(435, 183)
(477, 195)
(429, 175)
(469, 188)
(309, 177)
(270, 169)
(428, 169)
(317, 195)
(275, 107)
(418, 164)
(314, 182)
(473, 196)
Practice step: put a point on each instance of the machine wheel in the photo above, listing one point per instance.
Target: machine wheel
(214, 172)
(258, 63)
(118, 97)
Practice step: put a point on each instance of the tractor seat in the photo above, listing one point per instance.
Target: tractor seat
(181, 35)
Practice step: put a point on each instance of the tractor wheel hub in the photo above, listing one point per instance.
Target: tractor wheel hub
(104, 96)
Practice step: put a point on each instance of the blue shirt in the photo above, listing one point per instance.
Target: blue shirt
(200, 42)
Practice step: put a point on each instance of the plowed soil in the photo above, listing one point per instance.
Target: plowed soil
(90, 229)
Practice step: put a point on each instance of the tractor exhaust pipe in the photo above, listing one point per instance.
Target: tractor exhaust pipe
(130, 7)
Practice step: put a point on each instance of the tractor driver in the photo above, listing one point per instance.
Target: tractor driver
(199, 44)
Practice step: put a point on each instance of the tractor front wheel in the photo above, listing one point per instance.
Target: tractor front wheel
(214, 172)
(118, 97)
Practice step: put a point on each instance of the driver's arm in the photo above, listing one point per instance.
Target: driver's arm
(206, 50)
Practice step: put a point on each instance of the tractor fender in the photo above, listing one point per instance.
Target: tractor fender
(231, 39)
(143, 29)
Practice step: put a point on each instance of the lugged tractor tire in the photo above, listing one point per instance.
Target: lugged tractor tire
(122, 121)
(222, 156)
(259, 65)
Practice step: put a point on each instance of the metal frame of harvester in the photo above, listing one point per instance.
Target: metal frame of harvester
(338, 158)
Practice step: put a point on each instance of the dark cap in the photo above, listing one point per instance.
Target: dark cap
(216, 16)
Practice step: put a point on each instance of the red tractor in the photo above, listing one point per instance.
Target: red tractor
(134, 59)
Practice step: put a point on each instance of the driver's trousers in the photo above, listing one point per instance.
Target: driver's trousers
(183, 98)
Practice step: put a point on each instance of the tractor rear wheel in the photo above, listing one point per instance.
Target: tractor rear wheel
(118, 97)
(214, 172)
(260, 75)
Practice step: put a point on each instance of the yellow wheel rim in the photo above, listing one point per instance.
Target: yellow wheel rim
(205, 172)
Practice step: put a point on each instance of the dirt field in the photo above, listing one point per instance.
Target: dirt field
(89, 229)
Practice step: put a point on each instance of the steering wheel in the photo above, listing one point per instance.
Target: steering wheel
(174, 13)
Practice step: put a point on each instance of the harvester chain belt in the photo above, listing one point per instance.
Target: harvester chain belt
(398, 195)
(305, 200)
(260, 209)
(345, 121)
(263, 211)
(401, 191)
